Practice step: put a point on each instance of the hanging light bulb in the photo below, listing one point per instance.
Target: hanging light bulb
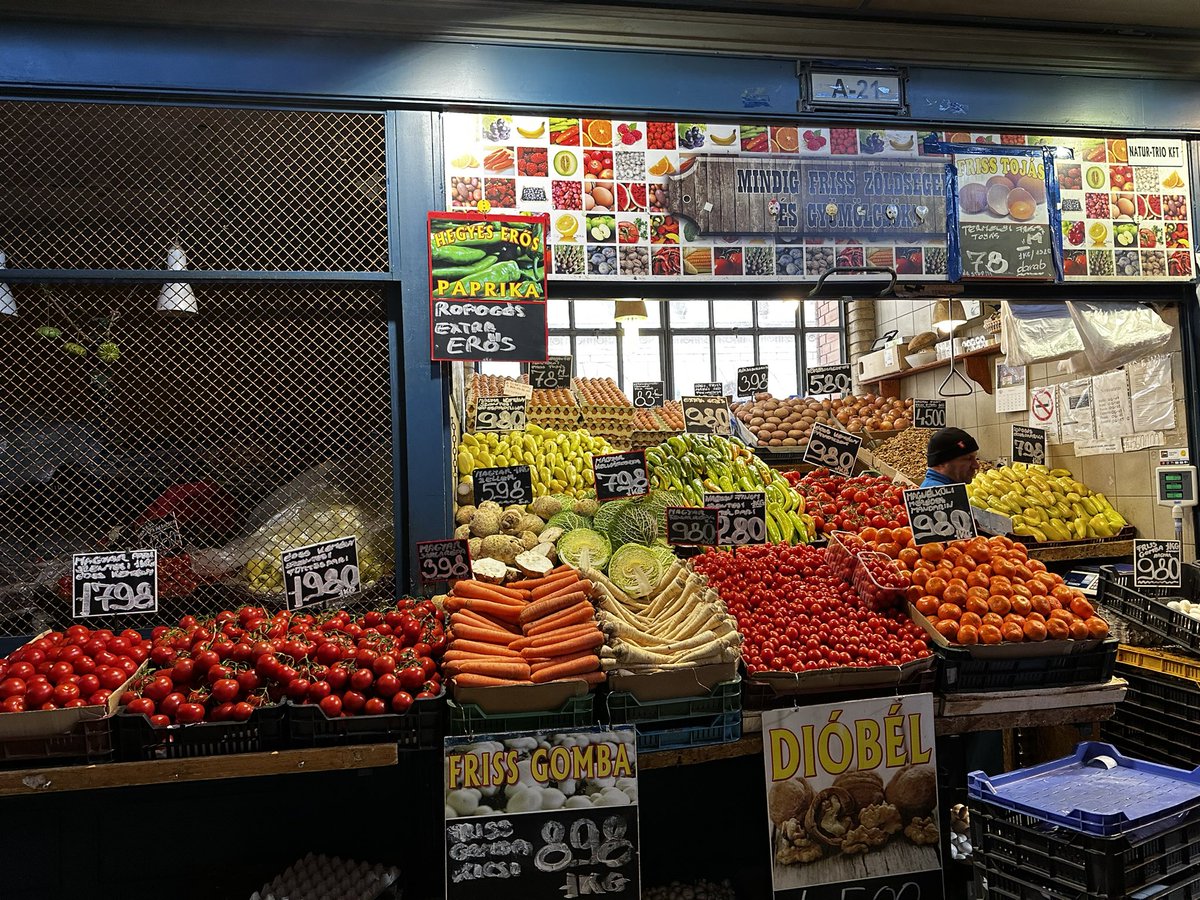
(948, 315)
(177, 296)
(631, 314)
(8, 300)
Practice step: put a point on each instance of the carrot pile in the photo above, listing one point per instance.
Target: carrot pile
(527, 632)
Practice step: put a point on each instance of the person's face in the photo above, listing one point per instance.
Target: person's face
(961, 469)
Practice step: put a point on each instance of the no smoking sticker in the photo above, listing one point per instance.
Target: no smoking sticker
(1043, 411)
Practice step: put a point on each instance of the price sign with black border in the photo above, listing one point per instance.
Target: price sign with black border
(315, 574)
(1029, 445)
(551, 375)
(1157, 564)
(620, 475)
(941, 513)
(706, 415)
(447, 560)
(501, 414)
(834, 449)
(505, 485)
(123, 582)
(741, 517)
(690, 526)
(751, 380)
(648, 394)
(929, 413)
(708, 389)
(821, 380)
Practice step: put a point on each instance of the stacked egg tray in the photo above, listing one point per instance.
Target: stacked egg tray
(607, 412)
(557, 409)
(653, 426)
(319, 877)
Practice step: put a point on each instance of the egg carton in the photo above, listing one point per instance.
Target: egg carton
(320, 877)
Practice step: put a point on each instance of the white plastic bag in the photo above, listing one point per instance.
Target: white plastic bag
(1037, 332)
(1115, 333)
(1152, 394)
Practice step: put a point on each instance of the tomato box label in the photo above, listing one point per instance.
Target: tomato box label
(648, 394)
(318, 573)
(1157, 564)
(741, 517)
(751, 380)
(690, 526)
(447, 560)
(620, 475)
(1029, 445)
(929, 413)
(836, 450)
(552, 375)
(119, 583)
(706, 415)
(542, 814)
(821, 380)
(941, 513)
(505, 485)
(501, 413)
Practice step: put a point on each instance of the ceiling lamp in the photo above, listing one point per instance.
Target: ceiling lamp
(948, 315)
(8, 300)
(631, 314)
(177, 296)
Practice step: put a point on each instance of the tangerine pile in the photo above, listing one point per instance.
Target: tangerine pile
(988, 591)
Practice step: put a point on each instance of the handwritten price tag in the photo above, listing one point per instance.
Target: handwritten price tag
(505, 485)
(827, 380)
(1029, 445)
(501, 414)
(551, 375)
(941, 513)
(834, 449)
(648, 394)
(1157, 564)
(706, 415)
(742, 517)
(119, 583)
(751, 380)
(708, 389)
(447, 560)
(620, 475)
(693, 527)
(929, 413)
(318, 573)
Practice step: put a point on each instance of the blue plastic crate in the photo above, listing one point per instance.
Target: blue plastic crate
(706, 730)
(1133, 797)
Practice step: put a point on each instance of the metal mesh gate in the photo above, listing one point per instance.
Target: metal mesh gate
(260, 422)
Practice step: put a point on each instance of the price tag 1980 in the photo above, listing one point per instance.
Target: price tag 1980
(1029, 445)
(447, 560)
(501, 413)
(118, 583)
(751, 380)
(1157, 564)
(742, 517)
(706, 415)
(941, 513)
(505, 485)
(834, 449)
(692, 526)
(929, 413)
(648, 394)
(318, 573)
(620, 475)
(827, 380)
(551, 375)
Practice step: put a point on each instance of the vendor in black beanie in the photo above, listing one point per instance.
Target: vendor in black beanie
(951, 458)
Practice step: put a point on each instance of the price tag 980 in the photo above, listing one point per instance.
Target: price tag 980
(836, 450)
(706, 415)
(692, 526)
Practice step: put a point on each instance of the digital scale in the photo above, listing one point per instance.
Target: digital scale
(1087, 578)
(1175, 485)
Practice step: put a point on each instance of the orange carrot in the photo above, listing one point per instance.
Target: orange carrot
(578, 666)
(481, 621)
(567, 646)
(540, 608)
(479, 647)
(517, 670)
(470, 679)
(530, 584)
(502, 611)
(579, 586)
(477, 590)
(552, 586)
(560, 634)
(484, 635)
(572, 615)
(589, 677)
(538, 665)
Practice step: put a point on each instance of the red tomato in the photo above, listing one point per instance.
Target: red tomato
(331, 706)
(375, 707)
(401, 702)
(143, 705)
(189, 713)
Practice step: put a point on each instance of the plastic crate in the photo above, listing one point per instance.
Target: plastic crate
(1173, 664)
(914, 678)
(719, 729)
(421, 728)
(1148, 608)
(871, 592)
(136, 739)
(626, 709)
(1179, 699)
(839, 556)
(90, 741)
(958, 671)
(1149, 736)
(468, 718)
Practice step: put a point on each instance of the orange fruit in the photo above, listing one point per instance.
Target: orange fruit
(913, 593)
(1063, 593)
(902, 536)
(977, 605)
(1000, 588)
(1041, 605)
(960, 573)
(1035, 566)
(933, 552)
(984, 569)
(662, 167)
(947, 628)
(990, 634)
(1082, 608)
(993, 620)
(1015, 619)
(972, 619)
(909, 557)
(920, 577)
(999, 604)
(977, 591)
(1118, 151)
(1035, 631)
(787, 139)
(949, 611)
(968, 634)
(599, 131)
(1057, 630)
(927, 605)
(1035, 617)
(1021, 606)
(1097, 627)
(890, 548)
(1003, 567)
(1012, 632)
(1020, 590)
(1063, 614)
(955, 593)
(1079, 630)
(936, 585)
(885, 535)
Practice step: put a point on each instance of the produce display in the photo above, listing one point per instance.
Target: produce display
(787, 422)
(224, 668)
(1045, 504)
(837, 503)
(653, 426)
(506, 542)
(531, 632)
(560, 462)
(681, 624)
(796, 615)
(67, 669)
(550, 409)
(329, 879)
(692, 464)
(607, 412)
(906, 452)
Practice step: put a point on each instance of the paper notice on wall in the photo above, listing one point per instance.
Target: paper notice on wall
(1098, 448)
(1152, 394)
(1075, 411)
(1110, 402)
(1142, 441)
(1011, 393)
(1043, 411)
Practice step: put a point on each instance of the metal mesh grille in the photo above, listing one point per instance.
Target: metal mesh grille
(100, 186)
(258, 423)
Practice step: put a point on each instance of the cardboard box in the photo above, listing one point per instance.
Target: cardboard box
(672, 685)
(519, 698)
(43, 723)
(888, 361)
(785, 684)
(1007, 650)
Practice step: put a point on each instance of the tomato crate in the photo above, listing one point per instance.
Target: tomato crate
(959, 672)
(90, 741)
(137, 740)
(625, 709)
(467, 718)
(1148, 608)
(421, 728)
(696, 732)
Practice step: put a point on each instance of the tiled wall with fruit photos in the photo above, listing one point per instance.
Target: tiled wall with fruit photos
(603, 181)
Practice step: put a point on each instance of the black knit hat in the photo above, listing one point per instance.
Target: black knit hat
(948, 444)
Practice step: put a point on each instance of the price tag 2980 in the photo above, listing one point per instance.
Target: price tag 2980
(742, 517)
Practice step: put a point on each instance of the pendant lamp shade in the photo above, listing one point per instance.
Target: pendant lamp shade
(948, 315)
(630, 311)
(177, 296)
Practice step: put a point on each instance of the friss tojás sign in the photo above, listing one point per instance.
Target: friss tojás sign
(318, 573)
(117, 583)
(487, 287)
(1004, 220)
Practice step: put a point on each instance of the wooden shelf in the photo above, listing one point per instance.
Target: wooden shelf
(977, 363)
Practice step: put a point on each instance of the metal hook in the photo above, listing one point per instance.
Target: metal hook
(954, 373)
(846, 270)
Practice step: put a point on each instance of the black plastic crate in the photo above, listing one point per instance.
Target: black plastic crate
(992, 882)
(136, 739)
(468, 718)
(1141, 731)
(695, 732)
(90, 741)
(958, 671)
(626, 709)
(1045, 861)
(1163, 693)
(1148, 608)
(421, 728)
(918, 679)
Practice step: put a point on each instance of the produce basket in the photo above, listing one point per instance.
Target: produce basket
(839, 556)
(1163, 739)
(467, 718)
(1174, 664)
(90, 741)
(719, 729)
(1148, 607)
(137, 740)
(682, 722)
(773, 690)
(959, 671)
(421, 728)
(874, 594)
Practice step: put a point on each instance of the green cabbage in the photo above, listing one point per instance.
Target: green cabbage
(636, 569)
(567, 501)
(572, 546)
(569, 521)
(607, 513)
(637, 523)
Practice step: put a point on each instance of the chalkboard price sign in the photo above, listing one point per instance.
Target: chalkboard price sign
(834, 449)
(691, 526)
(1157, 564)
(318, 573)
(708, 389)
(162, 534)
(648, 394)
(119, 583)
(620, 475)
(505, 485)
(552, 375)
(929, 413)
(941, 513)
(1005, 251)
(751, 380)
(821, 380)
(706, 415)
(742, 517)
(447, 560)
(501, 414)
(1029, 445)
